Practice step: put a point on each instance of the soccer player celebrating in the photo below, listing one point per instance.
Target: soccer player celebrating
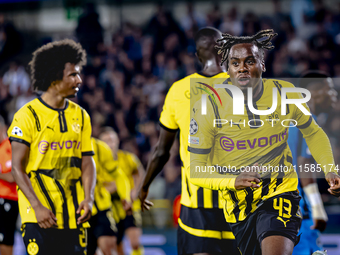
(8, 194)
(323, 99)
(262, 207)
(202, 227)
(52, 154)
(130, 220)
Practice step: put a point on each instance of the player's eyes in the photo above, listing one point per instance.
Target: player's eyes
(250, 62)
(234, 63)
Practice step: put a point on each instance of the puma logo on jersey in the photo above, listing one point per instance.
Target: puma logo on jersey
(284, 222)
(50, 128)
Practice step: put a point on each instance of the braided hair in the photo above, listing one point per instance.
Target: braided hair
(229, 41)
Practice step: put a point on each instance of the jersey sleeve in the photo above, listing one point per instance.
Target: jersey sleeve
(21, 129)
(167, 119)
(86, 148)
(201, 129)
(135, 163)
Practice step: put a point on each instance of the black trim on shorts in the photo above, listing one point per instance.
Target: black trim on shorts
(168, 129)
(278, 233)
(306, 125)
(204, 218)
(18, 140)
(198, 150)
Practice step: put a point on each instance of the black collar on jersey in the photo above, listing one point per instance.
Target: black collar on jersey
(43, 102)
(208, 76)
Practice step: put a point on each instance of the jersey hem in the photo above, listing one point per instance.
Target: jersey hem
(87, 153)
(168, 129)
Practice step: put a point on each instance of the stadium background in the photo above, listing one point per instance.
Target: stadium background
(137, 49)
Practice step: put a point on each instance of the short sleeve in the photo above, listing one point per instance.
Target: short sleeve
(21, 129)
(86, 147)
(167, 119)
(201, 130)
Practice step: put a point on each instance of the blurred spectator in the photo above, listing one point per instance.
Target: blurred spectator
(231, 23)
(193, 19)
(16, 79)
(11, 42)
(89, 31)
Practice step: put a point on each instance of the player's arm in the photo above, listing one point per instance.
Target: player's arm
(88, 176)
(20, 155)
(159, 157)
(200, 173)
(88, 170)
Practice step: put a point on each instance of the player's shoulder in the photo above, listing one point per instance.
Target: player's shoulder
(30, 106)
(278, 83)
(102, 145)
(74, 106)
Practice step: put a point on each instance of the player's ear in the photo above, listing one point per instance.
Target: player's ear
(200, 60)
(263, 66)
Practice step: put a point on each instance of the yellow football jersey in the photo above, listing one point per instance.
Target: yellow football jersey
(109, 170)
(237, 141)
(58, 139)
(102, 197)
(176, 115)
(129, 163)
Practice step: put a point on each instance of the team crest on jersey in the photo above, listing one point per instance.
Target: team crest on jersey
(32, 247)
(76, 127)
(193, 126)
(273, 118)
(17, 131)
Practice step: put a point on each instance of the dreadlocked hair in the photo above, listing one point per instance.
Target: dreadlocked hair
(229, 41)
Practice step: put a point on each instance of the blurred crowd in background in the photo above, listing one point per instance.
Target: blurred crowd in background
(125, 82)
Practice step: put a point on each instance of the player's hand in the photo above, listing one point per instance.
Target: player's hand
(319, 224)
(45, 218)
(126, 205)
(334, 183)
(85, 205)
(248, 179)
(146, 204)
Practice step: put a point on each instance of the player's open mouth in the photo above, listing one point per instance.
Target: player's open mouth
(243, 81)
